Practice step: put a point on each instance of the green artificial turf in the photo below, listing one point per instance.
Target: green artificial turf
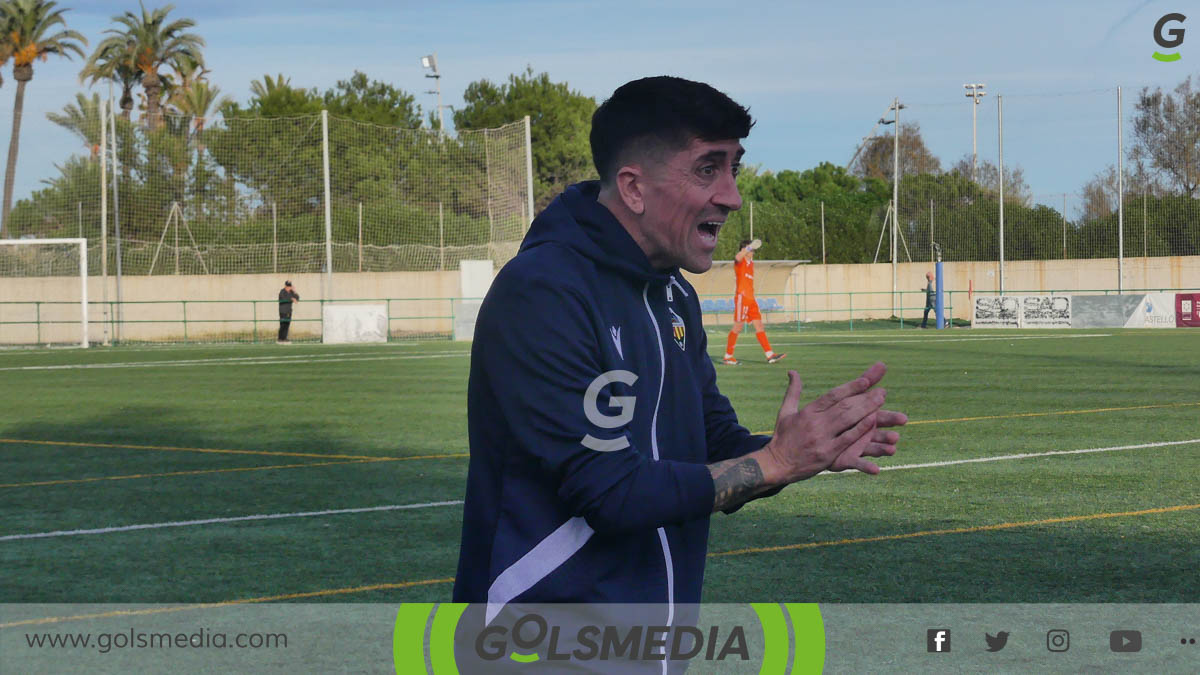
(184, 433)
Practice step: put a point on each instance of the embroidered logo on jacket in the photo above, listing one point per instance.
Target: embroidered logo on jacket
(678, 330)
(615, 331)
(591, 409)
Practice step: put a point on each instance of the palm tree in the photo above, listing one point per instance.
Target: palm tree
(29, 24)
(200, 101)
(152, 42)
(82, 118)
(114, 60)
(269, 84)
(188, 70)
(5, 43)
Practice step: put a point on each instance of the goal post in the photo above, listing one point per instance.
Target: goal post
(47, 272)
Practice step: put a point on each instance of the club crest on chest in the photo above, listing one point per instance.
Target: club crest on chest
(678, 330)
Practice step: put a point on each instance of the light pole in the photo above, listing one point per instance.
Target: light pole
(974, 92)
(430, 62)
(897, 106)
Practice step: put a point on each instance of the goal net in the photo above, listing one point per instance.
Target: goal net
(45, 300)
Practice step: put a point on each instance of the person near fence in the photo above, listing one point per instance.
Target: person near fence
(287, 296)
(929, 298)
(600, 445)
(745, 307)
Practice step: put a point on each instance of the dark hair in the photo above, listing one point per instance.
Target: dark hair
(744, 244)
(662, 113)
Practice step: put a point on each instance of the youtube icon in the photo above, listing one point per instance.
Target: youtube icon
(1125, 641)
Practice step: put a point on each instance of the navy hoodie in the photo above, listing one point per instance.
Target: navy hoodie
(593, 410)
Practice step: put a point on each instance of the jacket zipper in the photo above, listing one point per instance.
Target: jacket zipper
(675, 282)
(662, 534)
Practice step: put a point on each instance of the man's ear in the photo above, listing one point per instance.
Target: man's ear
(630, 183)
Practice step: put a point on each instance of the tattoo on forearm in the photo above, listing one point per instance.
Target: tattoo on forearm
(736, 481)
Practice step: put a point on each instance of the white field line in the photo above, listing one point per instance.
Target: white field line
(23, 350)
(396, 507)
(239, 361)
(213, 521)
(1027, 455)
(355, 356)
(928, 334)
(941, 340)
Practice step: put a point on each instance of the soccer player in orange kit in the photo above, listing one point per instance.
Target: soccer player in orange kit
(745, 308)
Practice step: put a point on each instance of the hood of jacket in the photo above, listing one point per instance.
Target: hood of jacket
(577, 219)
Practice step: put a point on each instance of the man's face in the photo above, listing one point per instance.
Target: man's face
(688, 195)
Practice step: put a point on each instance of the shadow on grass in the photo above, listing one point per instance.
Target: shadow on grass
(186, 427)
(1036, 564)
(216, 561)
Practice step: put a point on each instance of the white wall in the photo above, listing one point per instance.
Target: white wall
(240, 306)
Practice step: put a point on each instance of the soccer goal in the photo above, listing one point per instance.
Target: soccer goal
(44, 299)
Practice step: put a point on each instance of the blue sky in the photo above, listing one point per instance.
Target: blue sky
(816, 76)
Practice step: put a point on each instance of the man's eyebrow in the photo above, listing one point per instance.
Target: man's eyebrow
(719, 155)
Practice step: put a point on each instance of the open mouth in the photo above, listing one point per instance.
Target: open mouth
(709, 231)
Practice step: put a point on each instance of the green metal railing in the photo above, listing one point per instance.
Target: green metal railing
(850, 310)
(255, 321)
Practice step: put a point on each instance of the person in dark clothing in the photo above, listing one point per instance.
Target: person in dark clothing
(600, 443)
(287, 296)
(929, 297)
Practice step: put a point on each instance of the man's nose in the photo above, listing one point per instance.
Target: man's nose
(727, 194)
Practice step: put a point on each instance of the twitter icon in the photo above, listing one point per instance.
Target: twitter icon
(996, 642)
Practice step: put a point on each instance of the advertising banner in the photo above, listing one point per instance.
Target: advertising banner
(1022, 311)
(1156, 310)
(1187, 309)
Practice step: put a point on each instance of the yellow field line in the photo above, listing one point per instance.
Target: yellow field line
(1058, 412)
(68, 481)
(169, 448)
(270, 453)
(957, 530)
(720, 554)
(71, 481)
(227, 603)
(1035, 414)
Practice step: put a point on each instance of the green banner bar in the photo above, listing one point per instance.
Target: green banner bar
(408, 637)
(809, 629)
(775, 634)
(441, 638)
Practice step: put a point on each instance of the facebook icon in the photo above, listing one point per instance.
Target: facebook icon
(937, 640)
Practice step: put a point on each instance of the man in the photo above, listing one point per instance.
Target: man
(929, 297)
(600, 444)
(287, 296)
(745, 307)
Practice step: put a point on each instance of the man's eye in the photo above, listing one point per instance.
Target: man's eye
(708, 170)
(736, 169)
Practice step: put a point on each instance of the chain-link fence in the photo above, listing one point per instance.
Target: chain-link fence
(251, 195)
